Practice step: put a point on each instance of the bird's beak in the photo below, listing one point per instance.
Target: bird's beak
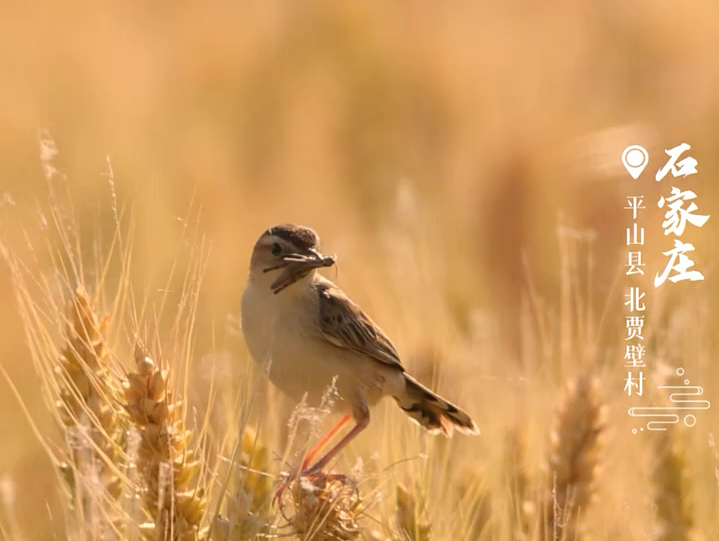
(297, 266)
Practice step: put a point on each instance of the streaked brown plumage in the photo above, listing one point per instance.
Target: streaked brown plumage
(311, 334)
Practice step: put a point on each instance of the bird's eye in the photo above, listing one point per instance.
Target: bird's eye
(276, 249)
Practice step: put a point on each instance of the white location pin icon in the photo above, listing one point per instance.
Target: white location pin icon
(635, 158)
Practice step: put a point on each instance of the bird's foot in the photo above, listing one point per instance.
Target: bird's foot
(285, 479)
(315, 475)
(321, 478)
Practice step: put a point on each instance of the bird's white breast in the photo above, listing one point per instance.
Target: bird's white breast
(282, 330)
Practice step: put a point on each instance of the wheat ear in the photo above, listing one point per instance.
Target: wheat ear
(325, 508)
(167, 465)
(242, 520)
(410, 522)
(89, 409)
(671, 496)
(575, 447)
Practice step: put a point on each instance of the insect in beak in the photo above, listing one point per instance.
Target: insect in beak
(298, 266)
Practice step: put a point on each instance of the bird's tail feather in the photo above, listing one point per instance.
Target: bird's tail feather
(432, 411)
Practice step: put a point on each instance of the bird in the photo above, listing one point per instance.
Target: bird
(309, 335)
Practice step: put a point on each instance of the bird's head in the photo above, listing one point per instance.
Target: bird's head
(286, 254)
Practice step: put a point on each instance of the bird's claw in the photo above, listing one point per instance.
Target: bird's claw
(287, 478)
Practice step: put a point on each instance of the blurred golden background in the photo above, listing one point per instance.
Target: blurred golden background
(442, 151)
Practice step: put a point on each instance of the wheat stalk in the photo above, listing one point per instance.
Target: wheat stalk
(243, 520)
(166, 464)
(475, 502)
(520, 508)
(410, 522)
(255, 461)
(240, 524)
(88, 405)
(575, 445)
(671, 496)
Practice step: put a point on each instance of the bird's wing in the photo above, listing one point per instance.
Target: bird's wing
(345, 325)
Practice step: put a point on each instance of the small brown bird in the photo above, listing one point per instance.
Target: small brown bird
(311, 334)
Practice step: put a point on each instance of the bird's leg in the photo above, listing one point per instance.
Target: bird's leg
(362, 423)
(320, 444)
(309, 456)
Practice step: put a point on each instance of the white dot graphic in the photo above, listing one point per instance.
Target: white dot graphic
(635, 158)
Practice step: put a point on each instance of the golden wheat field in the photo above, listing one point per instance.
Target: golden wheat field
(462, 160)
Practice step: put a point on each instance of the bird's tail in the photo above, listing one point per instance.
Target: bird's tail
(432, 411)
